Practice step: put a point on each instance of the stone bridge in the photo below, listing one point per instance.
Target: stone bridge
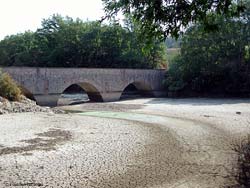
(102, 85)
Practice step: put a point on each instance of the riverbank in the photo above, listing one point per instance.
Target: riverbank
(134, 143)
(24, 105)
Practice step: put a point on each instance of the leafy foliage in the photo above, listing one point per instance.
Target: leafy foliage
(64, 42)
(214, 62)
(8, 87)
(164, 17)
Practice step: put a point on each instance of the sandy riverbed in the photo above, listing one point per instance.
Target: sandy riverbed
(142, 143)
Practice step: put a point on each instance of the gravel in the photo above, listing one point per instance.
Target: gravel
(25, 105)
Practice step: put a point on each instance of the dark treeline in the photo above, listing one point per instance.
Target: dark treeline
(64, 42)
(216, 62)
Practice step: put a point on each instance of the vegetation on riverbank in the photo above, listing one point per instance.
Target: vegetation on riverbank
(213, 63)
(8, 88)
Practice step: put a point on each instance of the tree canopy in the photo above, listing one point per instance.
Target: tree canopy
(214, 62)
(171, 17)
(64, 42)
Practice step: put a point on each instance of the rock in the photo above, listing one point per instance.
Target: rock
(6, 104)
(58, 111)
(238, 113)
(25, 105)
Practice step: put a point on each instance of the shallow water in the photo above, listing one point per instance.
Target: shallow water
(75, 98)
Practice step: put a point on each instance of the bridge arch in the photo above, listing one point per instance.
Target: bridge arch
(136, 89)
(93, 94)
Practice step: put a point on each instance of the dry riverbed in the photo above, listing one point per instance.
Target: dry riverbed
(156, 143)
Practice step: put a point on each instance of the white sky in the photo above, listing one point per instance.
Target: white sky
(17, 16)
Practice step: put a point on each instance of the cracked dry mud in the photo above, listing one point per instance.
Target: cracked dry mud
(137, 148)
(45, 141)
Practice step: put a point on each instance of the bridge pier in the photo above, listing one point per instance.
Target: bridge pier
(47, 100)
(111, 96)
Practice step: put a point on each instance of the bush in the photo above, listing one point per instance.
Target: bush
(9, 88)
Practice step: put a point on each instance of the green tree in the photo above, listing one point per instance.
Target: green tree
(164, 17)
(214, 62)
(64, 42)
(20, 49)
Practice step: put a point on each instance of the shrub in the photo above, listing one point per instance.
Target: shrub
(9, 88)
